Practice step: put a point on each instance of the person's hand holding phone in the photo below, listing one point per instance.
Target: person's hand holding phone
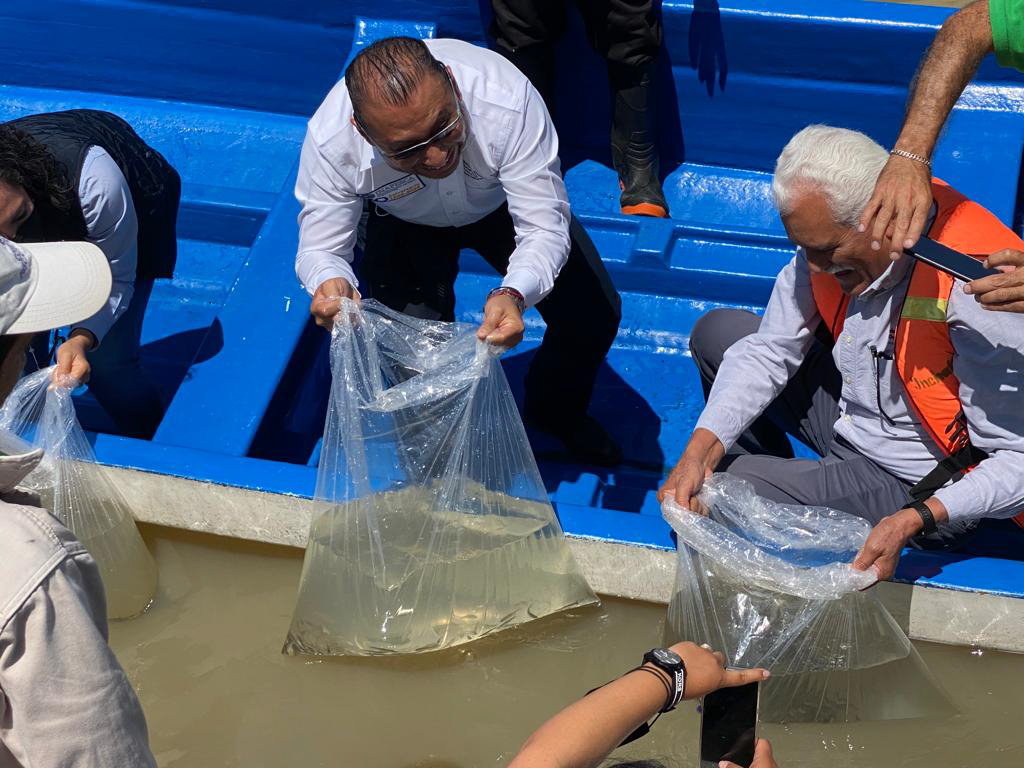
(1003, 292)
(706, 671)
(762, 757)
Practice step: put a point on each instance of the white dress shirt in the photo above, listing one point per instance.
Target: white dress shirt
(511, 154)
(111, 224)
(988, 361)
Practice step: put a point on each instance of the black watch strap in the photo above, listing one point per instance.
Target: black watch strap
(926, 517)
(676, 672)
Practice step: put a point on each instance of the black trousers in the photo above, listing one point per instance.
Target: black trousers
(807, 408)
(625, 32)
(412, 268)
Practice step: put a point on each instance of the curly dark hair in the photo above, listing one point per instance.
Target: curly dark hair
(26, 163)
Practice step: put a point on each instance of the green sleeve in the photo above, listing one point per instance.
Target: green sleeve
(1007, 20)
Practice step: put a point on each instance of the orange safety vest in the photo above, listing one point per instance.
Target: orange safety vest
(923, 351)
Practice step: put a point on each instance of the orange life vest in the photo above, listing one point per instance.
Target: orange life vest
(922, 350)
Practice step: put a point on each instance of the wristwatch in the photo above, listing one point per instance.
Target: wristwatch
(671, 663)
(927, 518)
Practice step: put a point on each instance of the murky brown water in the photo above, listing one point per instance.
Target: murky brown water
(217, 691)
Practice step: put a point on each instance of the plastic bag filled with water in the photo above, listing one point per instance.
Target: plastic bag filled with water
(431, 525)
(772, 585)
(79, 492)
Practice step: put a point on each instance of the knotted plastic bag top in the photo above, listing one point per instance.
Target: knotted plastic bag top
(431, 524)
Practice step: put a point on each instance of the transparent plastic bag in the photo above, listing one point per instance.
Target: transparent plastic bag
(772, 585)
(79, 492)
(431, 524)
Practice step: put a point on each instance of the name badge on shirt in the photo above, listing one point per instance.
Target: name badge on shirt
(397, 189)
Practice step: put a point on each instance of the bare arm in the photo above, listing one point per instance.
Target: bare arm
(584, 733)
(951, 61)
(902, 195)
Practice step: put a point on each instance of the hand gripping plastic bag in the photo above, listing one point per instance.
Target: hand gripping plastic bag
(772, 585)
(79, 492)
(431, 525)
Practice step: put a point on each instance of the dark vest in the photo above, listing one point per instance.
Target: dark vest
(154, 185)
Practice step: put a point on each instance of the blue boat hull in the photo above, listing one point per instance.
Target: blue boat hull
(223, 89)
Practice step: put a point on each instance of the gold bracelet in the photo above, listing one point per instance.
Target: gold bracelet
(911, 156)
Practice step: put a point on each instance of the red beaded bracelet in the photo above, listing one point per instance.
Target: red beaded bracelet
(506, 291)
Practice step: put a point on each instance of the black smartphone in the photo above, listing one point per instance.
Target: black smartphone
(952, 262)
(728, 726)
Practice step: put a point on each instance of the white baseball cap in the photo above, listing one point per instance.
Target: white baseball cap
(48, 285)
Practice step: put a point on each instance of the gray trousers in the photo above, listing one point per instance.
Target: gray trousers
(807, 409)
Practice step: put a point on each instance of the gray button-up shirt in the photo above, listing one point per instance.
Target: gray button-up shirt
(64, 699)
(988, 361)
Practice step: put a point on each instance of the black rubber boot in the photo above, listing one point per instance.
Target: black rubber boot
(634, 154)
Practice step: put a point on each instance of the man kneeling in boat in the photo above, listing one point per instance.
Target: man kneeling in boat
(895, 377)
(446, 146)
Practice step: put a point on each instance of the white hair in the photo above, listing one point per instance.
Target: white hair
(841, 163)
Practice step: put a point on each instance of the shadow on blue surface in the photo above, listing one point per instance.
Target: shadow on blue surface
(707, 45)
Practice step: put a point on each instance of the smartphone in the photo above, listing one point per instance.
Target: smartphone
(952, 262)
(728, 726)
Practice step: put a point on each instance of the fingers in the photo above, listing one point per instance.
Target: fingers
(901, 200)
(870, 211)
(1010, 306)
(486, 328)
(916, 228)
(763, 757)
(327, 300)
(882, 563)
(503, 322)
(901, 224)
(911, 216)
(683, 483)
(687, 487)
(1007, 257)
(505, 335)
(80, 369)
(998, 291)
(882, 220)
(866, 557)
(732, 678)
(62, 366)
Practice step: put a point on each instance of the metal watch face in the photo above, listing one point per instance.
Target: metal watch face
(665, 656)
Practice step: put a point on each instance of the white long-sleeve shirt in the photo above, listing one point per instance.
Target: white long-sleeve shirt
(988, 361)
(511, 154)
(111, 224)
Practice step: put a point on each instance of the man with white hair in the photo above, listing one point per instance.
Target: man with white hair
(905, 386)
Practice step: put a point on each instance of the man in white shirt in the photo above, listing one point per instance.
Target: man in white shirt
(448, 146)
(86, 175)
(897, 378)
(64, 700)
